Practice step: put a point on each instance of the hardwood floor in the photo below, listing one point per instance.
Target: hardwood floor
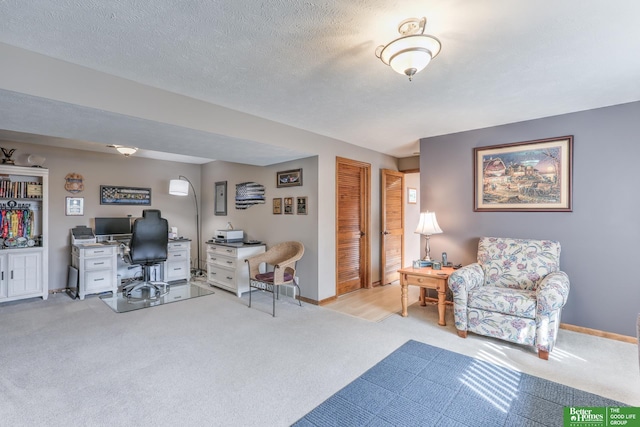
(374, 304)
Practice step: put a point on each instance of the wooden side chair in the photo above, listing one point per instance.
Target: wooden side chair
(278, 268)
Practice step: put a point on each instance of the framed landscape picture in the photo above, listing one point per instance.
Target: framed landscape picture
(531, 176)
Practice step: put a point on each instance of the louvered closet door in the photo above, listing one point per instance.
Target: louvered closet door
(392, 239)
(352, 226)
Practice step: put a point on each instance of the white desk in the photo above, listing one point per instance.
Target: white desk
(101, 267)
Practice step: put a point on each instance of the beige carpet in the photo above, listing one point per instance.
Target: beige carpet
(374, 304)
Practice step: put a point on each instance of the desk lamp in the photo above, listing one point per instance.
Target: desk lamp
(427, 226)
(180, 187)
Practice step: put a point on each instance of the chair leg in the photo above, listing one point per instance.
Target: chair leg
(294, 294)
(275, 289)
(462, 334)
(544, 355)
(250, 293)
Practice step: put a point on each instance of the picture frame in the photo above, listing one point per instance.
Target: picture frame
(288, 205)
(116, 195)
(277, 206)
(220, 198)
(289, 178)
(412, 196)
(74, 206)
(301, 205)
(529, 176)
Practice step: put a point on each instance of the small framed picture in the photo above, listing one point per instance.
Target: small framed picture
(301, 205)
(220, 199)
(412, 196)
(277, 206)
(74, 206)
(290, 178)
(288, 205)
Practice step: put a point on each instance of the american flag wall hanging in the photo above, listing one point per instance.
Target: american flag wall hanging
(249, 194)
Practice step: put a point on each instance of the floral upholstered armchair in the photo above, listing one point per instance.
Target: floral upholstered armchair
(514, 292)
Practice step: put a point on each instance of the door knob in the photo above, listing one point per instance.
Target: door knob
(362, 234)
(385, 232)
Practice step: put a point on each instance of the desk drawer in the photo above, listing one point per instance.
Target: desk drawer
(177, 271)
(223, 276)
(177, 256)
(99, 251)
(222, 250)
(98, 281)
(431, 282)
(98, 263)
(221, 261)
(176, 246)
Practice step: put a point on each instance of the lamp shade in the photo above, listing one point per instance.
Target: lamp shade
(428, 224)
(178, 187)
(127, 151)
(410, 55)
(412, 52)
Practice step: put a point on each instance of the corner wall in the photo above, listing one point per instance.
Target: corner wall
(599, 238)
(258, 221)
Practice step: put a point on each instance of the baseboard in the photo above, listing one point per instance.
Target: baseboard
(598, 333)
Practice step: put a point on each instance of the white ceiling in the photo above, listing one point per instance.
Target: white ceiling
(311, 65)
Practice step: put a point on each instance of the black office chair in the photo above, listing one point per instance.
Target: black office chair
(148, 247)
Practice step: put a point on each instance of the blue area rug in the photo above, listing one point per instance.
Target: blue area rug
(422, 385)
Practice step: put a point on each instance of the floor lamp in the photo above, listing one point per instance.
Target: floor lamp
(180, 187)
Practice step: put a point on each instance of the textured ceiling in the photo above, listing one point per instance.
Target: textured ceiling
(311, 65)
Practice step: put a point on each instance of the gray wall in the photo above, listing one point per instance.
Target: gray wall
(599, 238)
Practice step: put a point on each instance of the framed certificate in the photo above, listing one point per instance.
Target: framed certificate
(74, 206)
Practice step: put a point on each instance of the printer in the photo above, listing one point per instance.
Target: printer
(82, 235)
(228, 236)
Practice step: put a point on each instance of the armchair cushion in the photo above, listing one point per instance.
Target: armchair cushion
(517, 263)
(268, 277)
(514, 302)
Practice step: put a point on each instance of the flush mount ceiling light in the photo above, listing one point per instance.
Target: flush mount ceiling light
(412, 52)
(126, 151)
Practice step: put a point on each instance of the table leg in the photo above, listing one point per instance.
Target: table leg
(441, 308)
(404, 296)
(423, 295)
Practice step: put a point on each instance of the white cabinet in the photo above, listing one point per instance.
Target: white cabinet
(24, 235)
(178, 265)
(21, 275)
(226, 267)
(24, 270)
(97, 266)
(4, 292)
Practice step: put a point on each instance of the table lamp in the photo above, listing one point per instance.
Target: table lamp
(427, 226)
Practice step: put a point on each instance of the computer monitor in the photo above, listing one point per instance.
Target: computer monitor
(112, 226)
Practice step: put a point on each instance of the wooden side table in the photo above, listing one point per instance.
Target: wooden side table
(426, 278)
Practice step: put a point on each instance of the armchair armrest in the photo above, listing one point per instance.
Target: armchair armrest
(465, 279)
(552, 292)
(461, 282)
(255, 261)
